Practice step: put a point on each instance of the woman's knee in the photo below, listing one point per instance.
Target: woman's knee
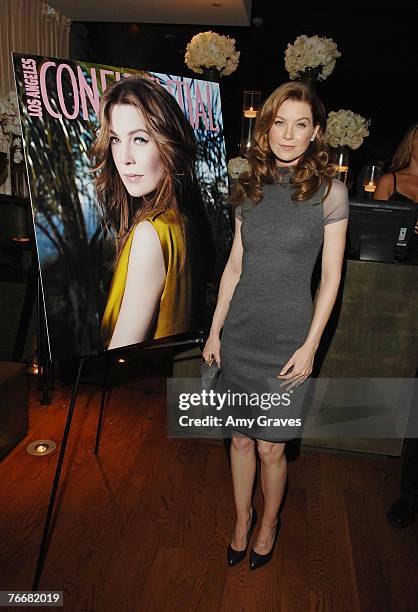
(270, 452)
(242, 443)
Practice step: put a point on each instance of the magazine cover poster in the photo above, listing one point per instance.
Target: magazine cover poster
(130, 204)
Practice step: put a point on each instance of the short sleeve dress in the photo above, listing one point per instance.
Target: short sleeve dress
(271, 310)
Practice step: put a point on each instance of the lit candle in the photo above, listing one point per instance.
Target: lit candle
(250, 113)
(371, 187)
(342, 173)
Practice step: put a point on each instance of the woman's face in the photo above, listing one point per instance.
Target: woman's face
(291, 133)
(134, 152)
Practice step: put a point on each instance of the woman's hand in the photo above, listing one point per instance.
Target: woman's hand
(212, 349)
(302, 361)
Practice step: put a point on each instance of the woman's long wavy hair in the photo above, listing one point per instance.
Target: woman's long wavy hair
(312, 169)
(402, 155)
(174, 137)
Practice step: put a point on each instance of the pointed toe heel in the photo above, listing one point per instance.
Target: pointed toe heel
(257, 560)
(235, 556)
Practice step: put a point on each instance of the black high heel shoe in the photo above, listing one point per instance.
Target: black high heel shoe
(235, 556)
(257, 560)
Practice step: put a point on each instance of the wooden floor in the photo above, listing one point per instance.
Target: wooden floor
(146, 525)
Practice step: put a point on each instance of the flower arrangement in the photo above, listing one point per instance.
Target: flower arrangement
(345, 128)
(9, 115)
(211, 50)
(236, 166)
(10, 142)
(311, 53)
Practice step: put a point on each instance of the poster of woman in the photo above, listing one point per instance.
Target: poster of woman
(128, 188)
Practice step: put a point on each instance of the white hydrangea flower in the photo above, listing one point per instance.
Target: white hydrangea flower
(236, 166)
(18, 157)
(311, 52)
(9, 114)
(211, 50)
(345, 128)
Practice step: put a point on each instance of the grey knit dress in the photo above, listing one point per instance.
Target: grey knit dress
(271, 309)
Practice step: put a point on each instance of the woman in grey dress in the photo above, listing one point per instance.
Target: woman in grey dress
(289, 207)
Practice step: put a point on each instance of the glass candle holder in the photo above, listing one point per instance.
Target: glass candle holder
(371, 177)
(251, 104)
(341, 158)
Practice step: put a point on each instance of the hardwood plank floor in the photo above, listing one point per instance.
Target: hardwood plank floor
(145, 525)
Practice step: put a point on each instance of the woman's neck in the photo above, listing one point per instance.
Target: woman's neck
(411, 168)
(413, 165)
(283, 164)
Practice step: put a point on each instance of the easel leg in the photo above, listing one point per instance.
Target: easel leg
(105, 386)
(45, 536)
(102, 402)
(45, 368)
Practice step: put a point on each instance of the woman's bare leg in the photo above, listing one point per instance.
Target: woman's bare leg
(273, 482)
(243, 466)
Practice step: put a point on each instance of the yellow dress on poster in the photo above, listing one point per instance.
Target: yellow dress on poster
(173, 316)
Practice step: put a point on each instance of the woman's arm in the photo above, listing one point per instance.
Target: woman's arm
(332, 260)
(384, 187)
(144, 286)
(229, 280)
(331, 265)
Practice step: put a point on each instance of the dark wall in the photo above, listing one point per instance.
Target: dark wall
(375, 75)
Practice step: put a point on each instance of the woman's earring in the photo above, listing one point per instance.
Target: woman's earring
(313, 138)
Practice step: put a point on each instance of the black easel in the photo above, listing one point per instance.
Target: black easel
(105, 389)
(198, 339)
(45, 366)
(182, 340)
(44, 541)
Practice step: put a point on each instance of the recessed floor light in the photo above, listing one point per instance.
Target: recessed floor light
(40, 448)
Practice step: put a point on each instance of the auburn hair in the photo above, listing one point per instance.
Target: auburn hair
(312, 169)
(175, 141)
